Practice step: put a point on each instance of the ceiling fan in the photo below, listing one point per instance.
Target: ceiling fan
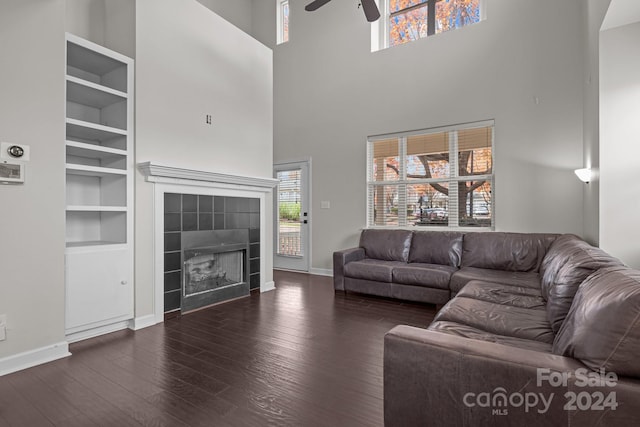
(368, 6)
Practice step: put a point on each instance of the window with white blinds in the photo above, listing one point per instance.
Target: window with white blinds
(441, 177)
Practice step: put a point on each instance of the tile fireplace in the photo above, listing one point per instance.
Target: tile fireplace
(211, 249)
(189, 200)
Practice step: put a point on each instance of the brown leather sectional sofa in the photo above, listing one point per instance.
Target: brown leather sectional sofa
(539, 329)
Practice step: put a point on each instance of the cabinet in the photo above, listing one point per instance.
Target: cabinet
(99, 186)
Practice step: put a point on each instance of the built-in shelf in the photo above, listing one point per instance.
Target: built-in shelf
(87, 244)
(92, 131)
(91, 94)
(99, 187)
(81, 208)
(75, 169)
(82, 149)
(97, 64)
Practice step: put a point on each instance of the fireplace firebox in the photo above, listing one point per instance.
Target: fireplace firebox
(215, 267)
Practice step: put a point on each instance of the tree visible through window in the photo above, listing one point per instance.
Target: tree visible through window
(409, 20)
(439, 177)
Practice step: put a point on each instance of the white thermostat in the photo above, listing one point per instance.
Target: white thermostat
(11, 173)
(11, 151)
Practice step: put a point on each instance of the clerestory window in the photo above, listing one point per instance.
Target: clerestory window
(283, 21)
(403, 21)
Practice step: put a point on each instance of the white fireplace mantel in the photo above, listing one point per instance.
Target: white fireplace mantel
(157, 173)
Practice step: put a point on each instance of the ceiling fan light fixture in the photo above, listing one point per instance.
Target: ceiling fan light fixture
(369, 7)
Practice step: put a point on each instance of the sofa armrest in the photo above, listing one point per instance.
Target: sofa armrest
(436, 379)
(340, 259)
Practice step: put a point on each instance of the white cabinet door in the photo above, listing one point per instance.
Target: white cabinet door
(99, 288)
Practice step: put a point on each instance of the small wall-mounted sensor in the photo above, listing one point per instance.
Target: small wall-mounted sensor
(11, 151)
(208, 119)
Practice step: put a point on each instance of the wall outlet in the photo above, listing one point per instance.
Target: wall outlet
(3, 327)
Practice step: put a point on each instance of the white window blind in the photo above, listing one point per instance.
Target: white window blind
(440, 177)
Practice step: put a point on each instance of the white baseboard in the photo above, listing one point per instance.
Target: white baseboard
(268, 286)
(321, 271)
(36, 357)
(142, 322)
(94, 332)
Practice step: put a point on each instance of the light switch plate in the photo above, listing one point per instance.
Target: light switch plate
(325, 204)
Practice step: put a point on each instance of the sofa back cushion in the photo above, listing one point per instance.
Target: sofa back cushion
(602, 328)
(569, 261)
(387, 245)
(505, 251)
(436, 247)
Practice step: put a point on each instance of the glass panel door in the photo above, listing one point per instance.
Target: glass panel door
(293, 216)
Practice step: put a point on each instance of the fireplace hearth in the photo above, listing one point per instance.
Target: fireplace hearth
(215, 267)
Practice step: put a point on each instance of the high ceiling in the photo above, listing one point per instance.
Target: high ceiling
(621, 12)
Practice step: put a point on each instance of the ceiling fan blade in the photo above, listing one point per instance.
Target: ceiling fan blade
(370, 10)
(315, 5)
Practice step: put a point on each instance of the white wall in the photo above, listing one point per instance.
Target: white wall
(86, 19)
(619, 148)
(237, 12)
(331, 92)
(32, 215)
(594, 12)
(189, 63)
(111, 23)
(107, 23)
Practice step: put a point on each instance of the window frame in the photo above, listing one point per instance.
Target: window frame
(280, 35)
(403, 182)
(380, 30)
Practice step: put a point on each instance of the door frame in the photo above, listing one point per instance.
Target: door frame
(305, 264)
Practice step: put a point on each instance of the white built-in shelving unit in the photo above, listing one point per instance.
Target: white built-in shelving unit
(99, 188)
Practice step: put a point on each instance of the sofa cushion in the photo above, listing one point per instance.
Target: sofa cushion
(466, 331)
(371, 269)
(369, 287)
(420, 293)
(513, 278)
(516, 296)
(387, 245)
(602, 328)
(418, 274)
(436, 247)
(505, 251)
(498, 319)
(569, 261)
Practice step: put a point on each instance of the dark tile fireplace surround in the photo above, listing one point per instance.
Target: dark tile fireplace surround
(188, 213)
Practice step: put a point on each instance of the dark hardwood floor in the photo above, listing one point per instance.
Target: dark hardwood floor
(298, 356)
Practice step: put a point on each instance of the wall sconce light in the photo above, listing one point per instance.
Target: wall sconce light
(583, 174)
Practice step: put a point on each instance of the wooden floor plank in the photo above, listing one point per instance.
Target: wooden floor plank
(301, 355)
